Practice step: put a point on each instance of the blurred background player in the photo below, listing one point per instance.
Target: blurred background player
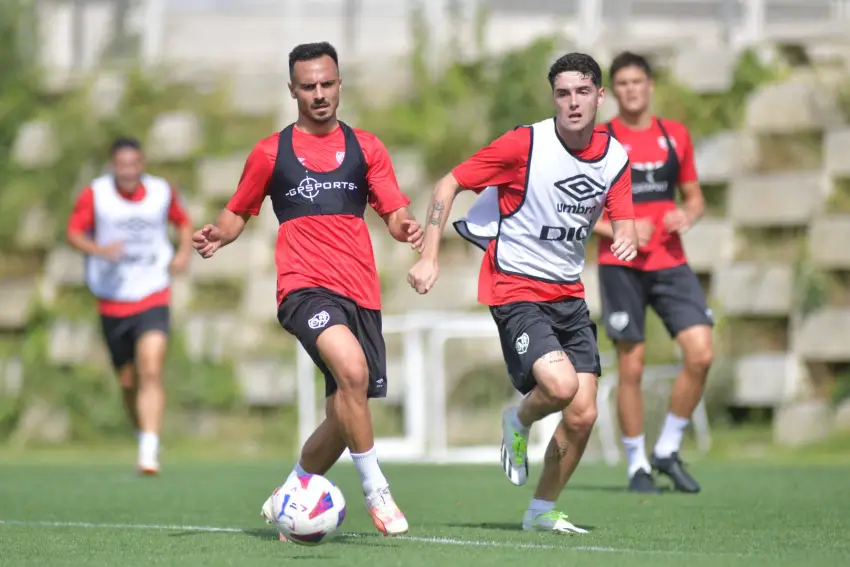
(662, 159)
(120, 222)
(320, 174)
(550, 183)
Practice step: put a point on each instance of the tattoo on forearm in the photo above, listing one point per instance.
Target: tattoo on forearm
(436, 216)
(556, 357)
(556, 451)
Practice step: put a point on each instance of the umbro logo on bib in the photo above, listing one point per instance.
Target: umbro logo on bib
(580, 187)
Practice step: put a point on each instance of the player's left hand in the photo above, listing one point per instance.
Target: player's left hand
(624, 249)
(414, 232)
(423, 275)
(179, 263)
(677, 221)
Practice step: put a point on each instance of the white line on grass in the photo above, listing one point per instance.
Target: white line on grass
(417, 539)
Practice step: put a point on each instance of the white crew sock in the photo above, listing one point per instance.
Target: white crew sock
(296, 472)
(518, 424)
(538, 507)
(671, 435)
(148, 447)
(636, 454)
(370, 471)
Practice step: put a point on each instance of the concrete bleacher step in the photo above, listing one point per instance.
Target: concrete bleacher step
(835, 145)
(219, 176)
(776, 200)
(72, 342)
(259, 297)
(755, 289)
(16, 300)
(36, 145)
(801, 422)
(709, 245)
(174, 136)
(725, 156)
(816, 108)
(828, 238)
(65, 267)
(823, 336)
(768, 379)
(266, 381)
(250, 254)
(704, 70)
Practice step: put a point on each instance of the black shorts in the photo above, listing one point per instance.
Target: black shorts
(122, 333)
(305, 313)
(530, 330)
(675, 294)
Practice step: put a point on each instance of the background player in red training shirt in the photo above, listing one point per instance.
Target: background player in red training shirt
(319, 174)
(662, 159)
(549, 183)
(120, 222)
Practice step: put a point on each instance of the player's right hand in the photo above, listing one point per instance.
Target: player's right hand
(624, 249)
(207, 240)
(423, 275)
(645, 229)
(112, 251)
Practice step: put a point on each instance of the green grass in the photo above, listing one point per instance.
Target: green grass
(64, 510)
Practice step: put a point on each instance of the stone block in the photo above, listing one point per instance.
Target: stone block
(799, 423)
(210, 336)
(257, 93)
(181, 296)
(65, 267)
(174, 136)
(106, 94)
(776, 200)
(259, 297)
(761, 289)
(835, 145)
(218, 177)
(250, 254)
(723, 157)
(35, 228)
(704, 70)
(709, 245)
(815, 108)
(842, 416)
(11, 377)
(828, 238)
(266, 381)
(42, 422)
(592, 294)
(71, 342)
(768, 379)
(16, 296)
(410, 172)
(456, 290)
(823, 336)
(36, 145)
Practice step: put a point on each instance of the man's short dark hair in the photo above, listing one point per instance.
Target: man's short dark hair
(577, 63)
(310, 51)
(124, 143)
(629, 59)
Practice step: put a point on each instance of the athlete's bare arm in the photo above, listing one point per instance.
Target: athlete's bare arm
(404, 227)
(226, 229)
(692, 208)
(423, 275)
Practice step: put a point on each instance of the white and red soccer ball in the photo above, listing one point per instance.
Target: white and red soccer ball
(308, 509)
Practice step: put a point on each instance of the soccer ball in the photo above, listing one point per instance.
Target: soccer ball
(308, 509)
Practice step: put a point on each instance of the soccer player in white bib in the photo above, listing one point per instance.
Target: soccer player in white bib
(120, 222)
(544, 187)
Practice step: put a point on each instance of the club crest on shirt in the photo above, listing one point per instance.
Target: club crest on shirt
(340, 157)
(662, 142)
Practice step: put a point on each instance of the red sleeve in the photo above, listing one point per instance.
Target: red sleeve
(618, 202)
(82, 216)
(177, 213)
(385, 196)
(497, 163)
(256, 175)
(687, 167)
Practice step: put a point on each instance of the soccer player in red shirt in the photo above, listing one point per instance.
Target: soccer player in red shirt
(120, 221)
(544, 186)
(319, 175)
(662, 159)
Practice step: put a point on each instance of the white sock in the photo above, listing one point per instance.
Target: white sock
(370, 471)
(148, 446)
(671, 435)
(636, 454)
(538, 507)
(296, 472)
(518, 424)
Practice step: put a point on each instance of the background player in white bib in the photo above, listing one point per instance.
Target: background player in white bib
(120, 222)
(548, 184)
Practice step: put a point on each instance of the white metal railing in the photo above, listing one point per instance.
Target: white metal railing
(425, 400)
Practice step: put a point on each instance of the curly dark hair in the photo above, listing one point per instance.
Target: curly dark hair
(310, 51)
(578, 63)
(629, 59)
(124, 143)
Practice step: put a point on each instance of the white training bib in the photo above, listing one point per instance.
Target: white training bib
(544, 238)
(142, 228)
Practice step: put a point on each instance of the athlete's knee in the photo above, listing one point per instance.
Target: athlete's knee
(696, 350)
(630, 360)
(150, 377)
(581, 419)
(127, 377)
(556, 378)
(352, 375)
